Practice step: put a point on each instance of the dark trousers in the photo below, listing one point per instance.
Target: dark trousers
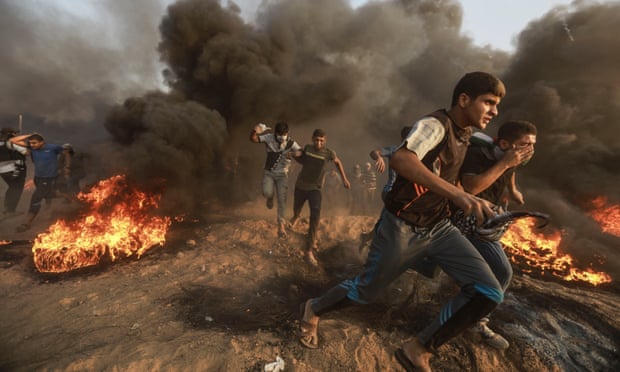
(314, 198)
(15, 190)
(45, 188)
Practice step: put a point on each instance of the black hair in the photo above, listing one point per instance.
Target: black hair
(36, 137)
(515, 129)
(477, 83)
(318, 133)
(281, 127)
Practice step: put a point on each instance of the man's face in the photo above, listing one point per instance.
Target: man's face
(282, 136)
(525, 142)
(481, 110)
(319, 142)
(35, 144)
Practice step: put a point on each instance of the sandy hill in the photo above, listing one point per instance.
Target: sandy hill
(223, 295)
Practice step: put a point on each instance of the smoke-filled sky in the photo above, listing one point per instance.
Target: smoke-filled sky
(359, 73)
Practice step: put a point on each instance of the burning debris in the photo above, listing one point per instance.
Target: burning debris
(119, 222)
(538, 253)
(608, 216)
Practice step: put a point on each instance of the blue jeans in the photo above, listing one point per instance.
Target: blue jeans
(397, 246)
(494, 255)
(277, 181)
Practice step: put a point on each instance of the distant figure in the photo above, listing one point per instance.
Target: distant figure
(386, 152)
(332, 191)
(45, 159)
(356, 196)
(68, 182)
(12, 169)
(314, 159)
(277, 164)
(369, 178)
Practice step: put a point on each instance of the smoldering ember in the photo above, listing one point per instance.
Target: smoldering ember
(169, 259)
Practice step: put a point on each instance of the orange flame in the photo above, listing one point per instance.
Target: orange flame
(608, 216)
(536, 252)
(117, 223)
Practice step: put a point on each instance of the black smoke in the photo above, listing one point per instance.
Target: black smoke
(63, 71)
(360, 74)
(164, 139)
(563, 77)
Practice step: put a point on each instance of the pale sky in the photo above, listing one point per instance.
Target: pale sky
(494, 22)
(498, 22)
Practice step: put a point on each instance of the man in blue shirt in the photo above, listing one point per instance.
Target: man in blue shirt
(45, 159)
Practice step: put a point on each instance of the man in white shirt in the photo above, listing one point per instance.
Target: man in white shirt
(275, 175)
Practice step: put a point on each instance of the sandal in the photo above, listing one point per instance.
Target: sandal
(308, 332)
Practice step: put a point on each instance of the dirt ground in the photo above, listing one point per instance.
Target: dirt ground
(223, 294)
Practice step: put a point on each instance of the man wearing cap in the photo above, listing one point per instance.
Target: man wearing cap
(12, 169)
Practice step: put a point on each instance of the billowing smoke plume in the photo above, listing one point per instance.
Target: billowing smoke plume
(564, 79)
(62, 71)
(167, 140)
(361, 74)
(320, 62)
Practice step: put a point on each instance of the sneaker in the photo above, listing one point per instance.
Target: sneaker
(489, 336)
(269, 203)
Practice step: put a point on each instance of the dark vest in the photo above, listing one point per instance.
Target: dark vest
(416, 204)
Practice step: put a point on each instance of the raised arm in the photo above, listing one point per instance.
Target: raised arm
(476, 183)
(20, 140)
(259, 129)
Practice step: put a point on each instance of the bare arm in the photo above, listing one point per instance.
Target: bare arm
(345, 180)
(476, 183)
(67, 163)
(20, 140)
(379, 162)
(513, 190)
(407, 164)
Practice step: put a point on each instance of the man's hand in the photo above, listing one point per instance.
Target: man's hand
(260, 128)
(346, 183)
(515, 157)
(380, 165)
(471, 204)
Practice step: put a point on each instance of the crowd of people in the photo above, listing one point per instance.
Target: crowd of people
(440, 171)
(57, 172)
